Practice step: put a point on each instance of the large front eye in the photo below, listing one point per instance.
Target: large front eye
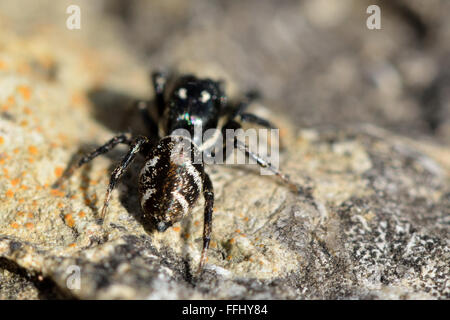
(205, 96)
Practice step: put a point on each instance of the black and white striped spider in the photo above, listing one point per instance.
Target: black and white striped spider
(170, 182)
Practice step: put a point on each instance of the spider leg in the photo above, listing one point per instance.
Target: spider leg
(159, 81)
(108, 146)
(259, 160)
(138, 145)
(253, 118)
(208, 193)
(142, 106)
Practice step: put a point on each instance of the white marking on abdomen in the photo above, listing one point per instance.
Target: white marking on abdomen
(182, 201)
(148, 193)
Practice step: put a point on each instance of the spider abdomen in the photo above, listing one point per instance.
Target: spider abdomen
(170, 181)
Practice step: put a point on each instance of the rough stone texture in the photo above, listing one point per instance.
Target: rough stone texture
(375, 225)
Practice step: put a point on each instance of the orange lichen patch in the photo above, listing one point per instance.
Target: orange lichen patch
(214, 209)
(2, 161)
(2, 65)
(30, 215)
(11, 100)
(81, 214)
(16, 150)
(23, 68)
(30, 160)
(176, 229)
(23, 187)
(25, 91)
(60, 205)
(78, 98)
(33, 150)
(245, 219)
(14, 182)
(20, 213)
(15, 225)
(229, 258)
(232, 240)
(23, 123)
(69, 220)
(29, 225)
(197, 223)
(58, 172)
(73, 197)
(27, 110)
(72, 245)
(21, 200)
(186, 235)
(57, 193)
(250, 259)
(6, 173)
(9, 193)
(2, 140)
(237, 231)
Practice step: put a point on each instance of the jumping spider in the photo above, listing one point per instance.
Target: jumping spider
(170, 183)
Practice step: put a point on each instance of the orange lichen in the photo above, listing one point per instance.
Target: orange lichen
(60, 205)
(229, 258)
(23, 123)
(14, 182)
(15, 225)
(23, 187)
(69, 220)
(30, 215)
(9, 193)
(33, 150)
(20, 213)
(176, 229)
(72, 245)
(25, 91)
(27, 110)
(58, 172)
(29, 225)
(213, 244)
(82, 214)
(2, 65)
(232, 240)
(237, 231)
(57, 193)
(2, 140)
(16, 150)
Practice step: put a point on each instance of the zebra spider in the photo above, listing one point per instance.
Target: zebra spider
(170, 182)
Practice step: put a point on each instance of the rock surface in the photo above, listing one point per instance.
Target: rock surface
(375, 226)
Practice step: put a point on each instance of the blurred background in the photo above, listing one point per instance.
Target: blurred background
(314, 61)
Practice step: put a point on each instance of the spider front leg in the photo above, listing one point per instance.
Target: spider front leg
(159, 81)
(137, 146)
(208, 193)
(108, 146)
(259, 160)
(143, 107)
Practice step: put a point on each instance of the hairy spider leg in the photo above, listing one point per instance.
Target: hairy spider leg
(108, 146)
(259, 160)
(208, 193)
(137, 146)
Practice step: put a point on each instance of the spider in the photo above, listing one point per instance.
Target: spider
(170, 182)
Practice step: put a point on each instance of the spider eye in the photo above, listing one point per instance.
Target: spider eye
(182, 93)
(205, 96)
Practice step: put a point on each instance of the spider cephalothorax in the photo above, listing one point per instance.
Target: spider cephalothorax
(172, 178)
